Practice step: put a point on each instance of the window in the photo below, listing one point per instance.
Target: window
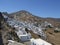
(34, 43)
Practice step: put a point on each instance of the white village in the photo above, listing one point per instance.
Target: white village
(25, 36)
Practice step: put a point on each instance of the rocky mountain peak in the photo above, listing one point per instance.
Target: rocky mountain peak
(22, 12)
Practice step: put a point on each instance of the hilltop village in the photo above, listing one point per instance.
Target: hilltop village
(26, 33)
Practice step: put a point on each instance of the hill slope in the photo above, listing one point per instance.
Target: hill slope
(26, 16)
(23, 15)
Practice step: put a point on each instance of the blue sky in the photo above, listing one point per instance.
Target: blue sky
(42, 8)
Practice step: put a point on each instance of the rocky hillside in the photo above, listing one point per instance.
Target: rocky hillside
(51, 35)
(8, 33)
(27, 16)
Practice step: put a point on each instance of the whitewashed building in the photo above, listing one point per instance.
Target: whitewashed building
(6, 17)
(46, 24)
(23, 35)
(39, 42)
(26, 37)
(57, 30)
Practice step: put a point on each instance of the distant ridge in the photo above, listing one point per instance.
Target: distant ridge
(24, 15)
